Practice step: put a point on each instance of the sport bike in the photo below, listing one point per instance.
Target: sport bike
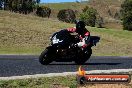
(63, 48)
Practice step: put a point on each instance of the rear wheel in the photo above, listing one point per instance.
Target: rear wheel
(83, 57)
(45, 58)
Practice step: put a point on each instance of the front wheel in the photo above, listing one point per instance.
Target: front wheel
(45, 58)
(83, 57)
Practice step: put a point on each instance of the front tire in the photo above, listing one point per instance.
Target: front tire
(45, 58)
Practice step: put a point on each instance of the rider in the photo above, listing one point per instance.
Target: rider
(84, 34)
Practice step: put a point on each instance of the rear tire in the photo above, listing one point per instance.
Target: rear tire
(82, 58)
(45, 58)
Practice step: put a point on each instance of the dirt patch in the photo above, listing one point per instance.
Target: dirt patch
(107, 86)
(57, 86)
(113, 25)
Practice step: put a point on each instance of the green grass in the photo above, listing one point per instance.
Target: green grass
(56, 7)
(45, 82)
(21, 50)
(27, 34)
(70, 5)
(113, 42)
(56, 82)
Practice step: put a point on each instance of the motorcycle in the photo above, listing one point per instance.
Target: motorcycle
(63, 48)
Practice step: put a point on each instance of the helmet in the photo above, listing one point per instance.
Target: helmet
(80, 25)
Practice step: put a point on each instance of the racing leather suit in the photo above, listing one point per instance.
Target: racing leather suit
(84, 37)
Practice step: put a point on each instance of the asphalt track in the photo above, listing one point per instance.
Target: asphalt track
(19, 65)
